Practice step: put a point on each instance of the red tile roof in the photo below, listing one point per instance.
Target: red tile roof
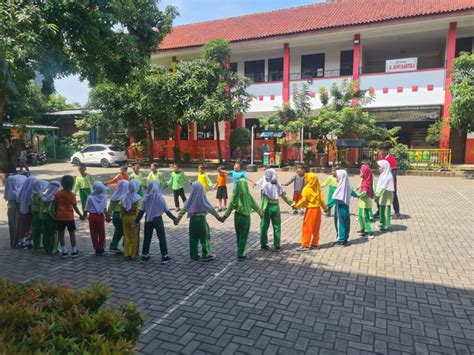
(332, 14)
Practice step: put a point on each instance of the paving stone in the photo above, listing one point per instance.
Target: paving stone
(407, 291)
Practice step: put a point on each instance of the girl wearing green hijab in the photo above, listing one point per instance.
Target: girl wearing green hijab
(243, 204)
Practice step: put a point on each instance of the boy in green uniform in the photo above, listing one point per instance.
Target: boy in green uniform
(48, 217)
(83, 185)
(244, 204)
(365, 194)
(177, 181)
(331, 183)
(137, 175)
(36, 221)
(155, 175)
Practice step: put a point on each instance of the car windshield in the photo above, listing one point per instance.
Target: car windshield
(114, 148)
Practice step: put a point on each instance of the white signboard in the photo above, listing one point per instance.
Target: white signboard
(400, 65)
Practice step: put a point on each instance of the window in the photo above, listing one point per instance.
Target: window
(347, 59)
(255, 70)
(312, 66)
(115, 148)
(233, 67)
(463, 45)
(184, 132)
(205, 133)
(275, 69)
(249, 122)
(88, 150)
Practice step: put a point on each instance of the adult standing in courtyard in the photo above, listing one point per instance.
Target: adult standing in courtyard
(385, 155)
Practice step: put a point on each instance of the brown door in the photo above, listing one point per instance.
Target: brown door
(457, 143)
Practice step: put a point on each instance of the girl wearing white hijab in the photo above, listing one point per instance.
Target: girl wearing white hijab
(341, 199)
(37, 193)
(197, 206)
(12, 189)
(384, 193)
(96, 206)
(23, 200)
(131, 202)
(154, 205)
(271, 193)
(48, 217)
(114, 212)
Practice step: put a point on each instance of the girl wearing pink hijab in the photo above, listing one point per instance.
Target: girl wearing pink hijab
(365, 194)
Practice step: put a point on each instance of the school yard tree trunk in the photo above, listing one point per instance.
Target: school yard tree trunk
(218, 140)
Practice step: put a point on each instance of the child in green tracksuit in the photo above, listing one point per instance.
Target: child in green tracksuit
(155, 175)
(83, 185)
(365, 194)
(37, 192)
(114, 211)
(48, 218)
(177, 181)
(197, 206)
(384, 193)
(244, 204)
(331, 183)
(271, 193)
(137, 175)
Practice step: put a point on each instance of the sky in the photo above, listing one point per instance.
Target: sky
(190, 11)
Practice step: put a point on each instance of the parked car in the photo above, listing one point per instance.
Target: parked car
(100, 154)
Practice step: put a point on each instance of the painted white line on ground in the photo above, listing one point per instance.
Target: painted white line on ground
(460, 194)
(184, 300)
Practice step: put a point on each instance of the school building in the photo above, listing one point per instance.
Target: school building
(402, 51)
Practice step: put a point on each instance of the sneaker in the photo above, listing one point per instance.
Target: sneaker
(371, 236)
(165, 259)
(264, 247)
(144, 258)
(302, 249)
(364, 234)
(29, 246)
(197, 258)
(277, 248)
(64, 255)
(74, 254)
(295, 211)
(209, 258)
(242, 258)
(361, 231)
(397, 215)
(313, 247)
(99, 252)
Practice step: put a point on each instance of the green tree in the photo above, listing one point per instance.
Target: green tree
(207, 92)
(146, 101)
(290, 117)
(241, 138)
(434, 132)
(95, 39)
(462, 90)
(340, 117)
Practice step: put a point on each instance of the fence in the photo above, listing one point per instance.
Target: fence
(429, 158)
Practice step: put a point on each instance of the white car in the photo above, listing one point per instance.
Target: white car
(100, 154)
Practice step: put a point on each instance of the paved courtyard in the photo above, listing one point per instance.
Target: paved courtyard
(408, 291)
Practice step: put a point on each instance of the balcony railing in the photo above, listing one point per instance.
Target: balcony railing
(311, 74)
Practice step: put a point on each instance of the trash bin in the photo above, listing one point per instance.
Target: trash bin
(272, 158)
(266, 158)
(278, 158)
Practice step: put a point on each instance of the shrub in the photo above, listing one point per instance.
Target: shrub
(400, 152)
(240, 138)
(40, 318)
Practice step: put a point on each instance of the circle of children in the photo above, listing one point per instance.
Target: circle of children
(39, 212)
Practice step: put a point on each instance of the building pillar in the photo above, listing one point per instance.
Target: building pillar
(450, 53)
(356, 66)
(286, 73)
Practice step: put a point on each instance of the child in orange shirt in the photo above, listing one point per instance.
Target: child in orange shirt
(66, 205)
(221, 185)
(122, 176)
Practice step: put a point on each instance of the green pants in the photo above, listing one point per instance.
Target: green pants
(342, 219)
(199, 233)
(385, 217)
(364, 219)
(271, 213)
(330, 194)
(50, 234)
(156, 224)
(118, 231)
(13, 223)
(83, 195)
(36, 230)
(242, 229)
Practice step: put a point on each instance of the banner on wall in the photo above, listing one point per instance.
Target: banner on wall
(401, 65)
(406, 113)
